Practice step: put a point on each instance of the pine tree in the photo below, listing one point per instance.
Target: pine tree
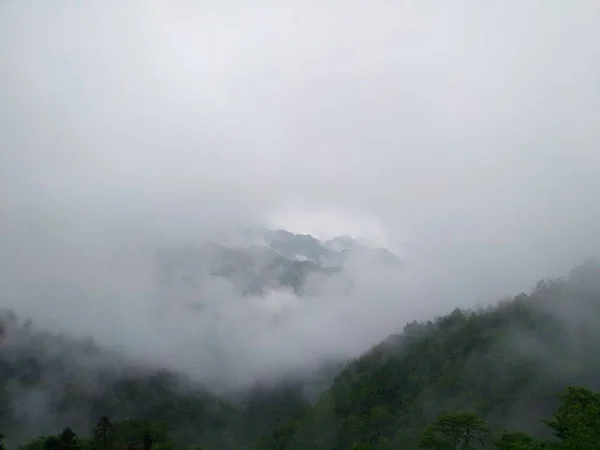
(103, 433)
(147, 442)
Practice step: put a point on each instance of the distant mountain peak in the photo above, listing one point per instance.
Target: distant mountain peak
(267, 259)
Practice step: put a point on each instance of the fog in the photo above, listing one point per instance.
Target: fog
(464, 135)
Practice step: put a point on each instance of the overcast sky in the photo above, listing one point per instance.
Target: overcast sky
(468, 131)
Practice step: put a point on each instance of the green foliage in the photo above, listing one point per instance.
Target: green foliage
(362, 446)
(503, 363)
(455, 431)
(577, 421)
(518, 441)
(65, 440)
(37, 443)
(143, 434)
(450, 383)
(103, 435)
(68, 440)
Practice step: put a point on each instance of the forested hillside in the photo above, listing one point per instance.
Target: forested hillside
(48, 381)
(468, 376)
(505, 363)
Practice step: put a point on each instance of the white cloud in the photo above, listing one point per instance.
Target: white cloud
(468, 130)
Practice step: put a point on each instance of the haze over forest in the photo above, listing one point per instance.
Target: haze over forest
(463, 138)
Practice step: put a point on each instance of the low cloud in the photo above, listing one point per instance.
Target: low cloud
(128, 128)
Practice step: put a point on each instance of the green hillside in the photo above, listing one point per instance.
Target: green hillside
(471, 373)
(49, 381)
(506, 364)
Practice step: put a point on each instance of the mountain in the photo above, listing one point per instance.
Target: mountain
(252, 270)
(336, 252)
(299, 247)
(502, 365)
(48, 380)
(283, 260)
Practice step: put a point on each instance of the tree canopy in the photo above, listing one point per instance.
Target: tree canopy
(519, 375)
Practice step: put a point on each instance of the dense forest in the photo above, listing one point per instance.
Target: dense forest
(522, 374)
(574, 424)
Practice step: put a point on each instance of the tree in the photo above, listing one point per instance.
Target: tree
(362, 446)
(38, 443)
(456, 431)
(577, 421)
(67, 440)
(51, 443)
(103, 434)
(147, 440)
(518, 441)
(2, 447)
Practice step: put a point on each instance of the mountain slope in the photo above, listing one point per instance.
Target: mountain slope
(48, 381)
(251, 270)
(505, 363)
(283, 260)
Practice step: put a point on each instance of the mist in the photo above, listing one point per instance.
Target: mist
(464, 135)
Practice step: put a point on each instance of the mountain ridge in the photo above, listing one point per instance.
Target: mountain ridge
(285, 260)
(504, 362)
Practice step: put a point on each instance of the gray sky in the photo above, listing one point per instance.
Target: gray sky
(469, 131)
